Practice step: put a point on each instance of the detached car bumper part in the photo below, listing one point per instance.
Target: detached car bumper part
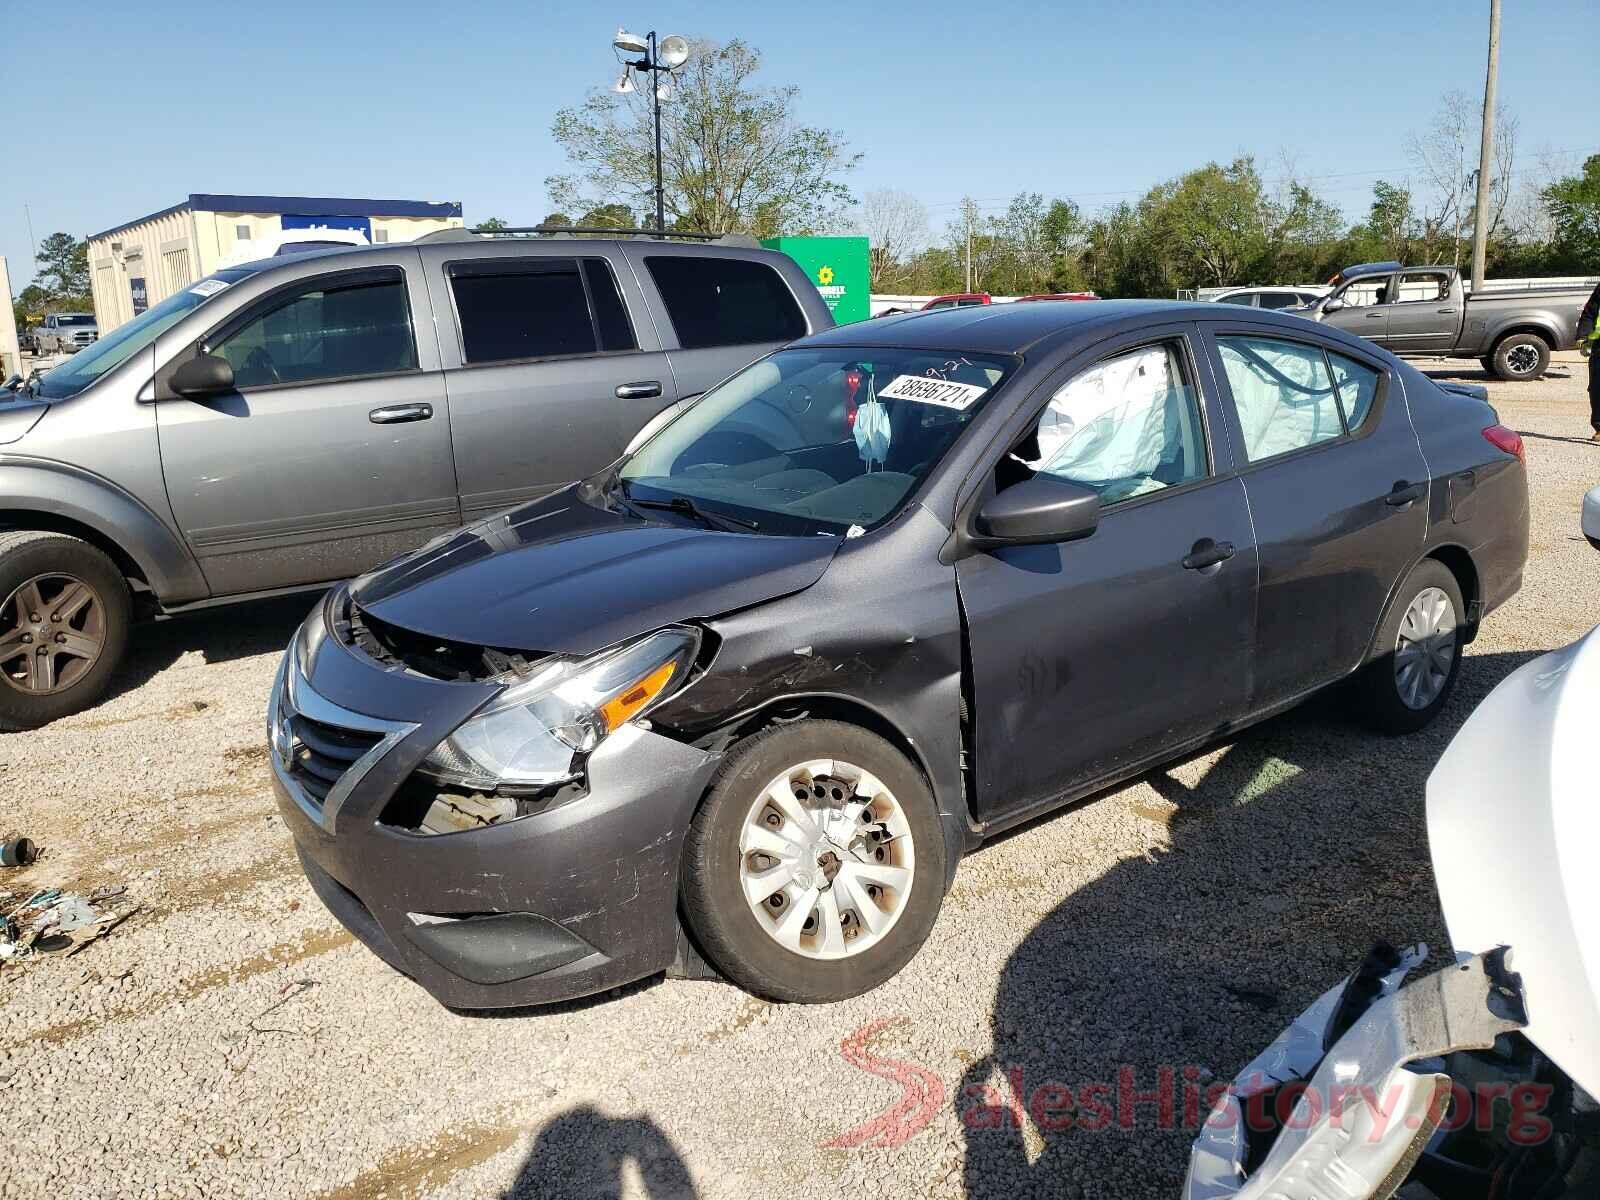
(578, 896)
(1367, 1106)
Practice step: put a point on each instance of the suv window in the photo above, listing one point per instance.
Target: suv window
(1125, 427)
(1238, 298)
(1283, 394)
(520, 308)
(1280, 299)
(326, 331)
(725, 301)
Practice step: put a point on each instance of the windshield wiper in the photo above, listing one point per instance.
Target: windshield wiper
(686, 506)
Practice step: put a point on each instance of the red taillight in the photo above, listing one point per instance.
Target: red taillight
(1508, 440)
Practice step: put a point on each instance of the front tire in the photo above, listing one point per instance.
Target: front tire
(1521, 357)
(815, 868)
(64, 621)
(1420, 646)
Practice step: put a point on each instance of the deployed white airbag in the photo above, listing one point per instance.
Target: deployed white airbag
(1283, 395)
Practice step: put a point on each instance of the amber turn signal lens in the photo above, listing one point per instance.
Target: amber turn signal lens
(635, 696)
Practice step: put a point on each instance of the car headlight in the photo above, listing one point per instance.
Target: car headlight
(537, 732)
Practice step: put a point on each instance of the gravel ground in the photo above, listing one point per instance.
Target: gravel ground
(230, 1039)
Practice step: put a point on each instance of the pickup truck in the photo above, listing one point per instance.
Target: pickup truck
(298, 420)
(65, 333)
(1424, 310)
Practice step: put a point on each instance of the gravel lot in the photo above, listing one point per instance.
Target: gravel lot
(230, 1038)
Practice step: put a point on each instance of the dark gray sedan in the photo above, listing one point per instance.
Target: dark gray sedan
(747, 696)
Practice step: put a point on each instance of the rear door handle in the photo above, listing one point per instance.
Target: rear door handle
(639, 391)
(1404, 494)
(394, 414)
(1207, 553)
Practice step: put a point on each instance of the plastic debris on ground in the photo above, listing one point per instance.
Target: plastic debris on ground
(53, 922)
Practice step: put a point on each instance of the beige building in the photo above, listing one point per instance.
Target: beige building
(137, 265)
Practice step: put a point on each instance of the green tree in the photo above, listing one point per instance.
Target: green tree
(1574, 207)
(735, 158)
(63, 267)
(493, 223)
(609, 216)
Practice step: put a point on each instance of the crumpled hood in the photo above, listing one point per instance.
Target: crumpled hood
(564, 577)
(1513, 823)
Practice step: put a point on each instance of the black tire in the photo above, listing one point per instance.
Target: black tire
(29, 555)
(1487, 363)
(728, 931)
(1379, 688)
(1521, 357)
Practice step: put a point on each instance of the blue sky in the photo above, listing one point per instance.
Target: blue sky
(453, 101)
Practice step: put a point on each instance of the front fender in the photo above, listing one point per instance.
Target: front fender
(60, 489)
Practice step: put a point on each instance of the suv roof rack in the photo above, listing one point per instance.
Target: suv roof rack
(522, 231)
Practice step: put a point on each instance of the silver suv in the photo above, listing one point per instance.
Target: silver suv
(300, 420)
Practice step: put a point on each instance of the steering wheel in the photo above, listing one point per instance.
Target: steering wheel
(259, 361)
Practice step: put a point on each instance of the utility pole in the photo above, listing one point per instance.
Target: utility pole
(33, 246)
(1480, 217)
(966, 208)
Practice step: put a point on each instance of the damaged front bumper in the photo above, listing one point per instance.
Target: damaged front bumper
(1347, 1098)
(570, 900)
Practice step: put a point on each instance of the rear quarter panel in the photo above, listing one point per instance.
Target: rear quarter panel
(1478, 500)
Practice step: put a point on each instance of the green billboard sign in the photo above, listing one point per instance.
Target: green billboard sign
(838, 266)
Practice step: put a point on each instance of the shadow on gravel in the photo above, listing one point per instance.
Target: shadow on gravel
(582, 1155)
(1301, 845)
(219, 634)
(1575, 440)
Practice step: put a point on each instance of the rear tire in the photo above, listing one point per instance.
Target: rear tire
(863, 893)
(61, 596)
(1521, 357)
(1419, 645)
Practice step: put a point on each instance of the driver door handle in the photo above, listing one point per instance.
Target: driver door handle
(1377, 316)
(639, 391)
(1445, 312)
(394, 414)
(1207, 553)
(1404, 494)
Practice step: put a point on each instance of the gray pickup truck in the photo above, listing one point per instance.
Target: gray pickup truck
(1424, 310)
(299, 420)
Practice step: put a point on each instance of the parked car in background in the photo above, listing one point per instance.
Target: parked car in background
(958, 300)
(65, 333)
(1479, 1079)
(891, 590)
(1422, 310)
(1270, 297)
(300, 420)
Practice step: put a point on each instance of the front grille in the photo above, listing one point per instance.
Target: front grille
(322, 753)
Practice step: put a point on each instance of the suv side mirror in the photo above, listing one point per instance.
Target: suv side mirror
(1038, 511)
(1332, 304)
(203, 375)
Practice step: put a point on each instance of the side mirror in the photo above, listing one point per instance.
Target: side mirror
(203, 375)
(1332, 304)
(1037, 511)
(1591, 517)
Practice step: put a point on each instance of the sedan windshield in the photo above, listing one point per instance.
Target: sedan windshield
(122, 343)
(815, 439)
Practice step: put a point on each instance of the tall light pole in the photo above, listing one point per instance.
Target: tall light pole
(653, 60)
(1480, 219)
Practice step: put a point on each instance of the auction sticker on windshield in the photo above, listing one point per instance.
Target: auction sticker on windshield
(944, 392)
